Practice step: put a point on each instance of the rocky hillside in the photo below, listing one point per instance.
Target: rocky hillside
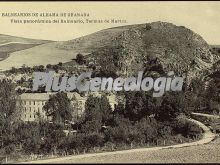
(157, 46)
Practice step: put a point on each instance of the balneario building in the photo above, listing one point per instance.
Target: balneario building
(31, 105)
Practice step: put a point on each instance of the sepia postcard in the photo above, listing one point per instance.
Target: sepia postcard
(109, 82)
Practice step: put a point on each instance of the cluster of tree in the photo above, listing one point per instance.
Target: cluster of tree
(25, 69)
(59, 108)
(141, 120)
(55, 67)
(31, 137)
(80, 59)
(215, 50)
(206, 94)
(39, 68)
(7, 99)
(104, 73)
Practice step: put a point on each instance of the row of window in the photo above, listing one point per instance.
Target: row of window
(31, 117)
(32, 108)
(34, 102)
(25, 116)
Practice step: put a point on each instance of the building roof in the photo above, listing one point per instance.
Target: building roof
(46, 96)
(35, 96)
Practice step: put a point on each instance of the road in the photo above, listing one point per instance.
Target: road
(206, 153)
(14, 43)
(204, 150)
(207, 115)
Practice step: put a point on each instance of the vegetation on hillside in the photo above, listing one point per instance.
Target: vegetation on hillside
(140, 121)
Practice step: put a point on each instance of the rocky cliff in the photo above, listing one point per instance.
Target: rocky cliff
(157, 46)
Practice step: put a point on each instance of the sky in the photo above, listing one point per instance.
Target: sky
(202, 17)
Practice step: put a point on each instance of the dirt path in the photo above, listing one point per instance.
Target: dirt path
(14, 43)
(207, 115)
(154, 154)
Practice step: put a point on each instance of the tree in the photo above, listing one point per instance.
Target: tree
(59, 107)
(91, 126)
(119, 109)
(92, 109)
(104, 73)
(98, 109)
(106, 109)
(147, 129)
(138, 105)
(25, 133)
(56, 68)
(93, 140)
(173, 104)
(41, 68)
(212, 95)
(60, 64)
(54, 138)
(13, 70)
(49, 66)
(80, 59)
(98, 112)
(8, 102)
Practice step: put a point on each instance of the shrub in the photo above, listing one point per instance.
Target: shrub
(93, 140)
(193, 130)
(80, 59)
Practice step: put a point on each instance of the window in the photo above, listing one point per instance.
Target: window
(30, 109)
(30, 116)
(34, 102)
(24, 109)
(29, 102)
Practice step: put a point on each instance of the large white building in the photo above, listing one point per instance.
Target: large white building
(31, 105)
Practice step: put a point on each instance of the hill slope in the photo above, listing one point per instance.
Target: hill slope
(127, 49)
(54, 52)
(156, 46)
(7, 39)
(9, 44)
